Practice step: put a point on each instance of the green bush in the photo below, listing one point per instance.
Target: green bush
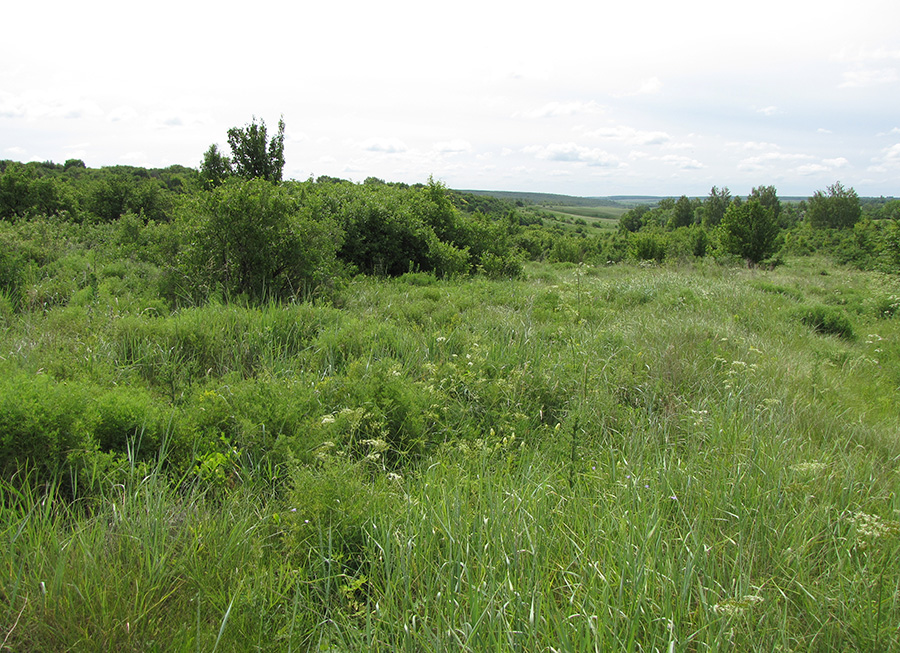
(501, 267)
(393, 409)
(255, 239)
(330, 507)
(749, 230)
(127, 420)
(647, 246)
(827, 320)
(43, 424)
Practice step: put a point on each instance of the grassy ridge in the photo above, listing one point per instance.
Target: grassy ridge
(611, 458)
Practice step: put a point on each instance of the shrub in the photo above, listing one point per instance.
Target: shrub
(749, 230)
(393, 409)
(838, 207)
(827, 320)
(124, 415)
(647, 246)
(501, 267)
(42, 424)
(254, 239)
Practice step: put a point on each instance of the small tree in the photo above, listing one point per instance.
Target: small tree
(838, 209)
(215, 169)
(254, 155)
(633, 219)
(684, 213)
(768, 197)
(749, 230)
(715, 206)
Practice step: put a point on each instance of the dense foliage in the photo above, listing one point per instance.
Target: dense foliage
(256, 239)
(749, 230)
(837, 208)
(390, 229)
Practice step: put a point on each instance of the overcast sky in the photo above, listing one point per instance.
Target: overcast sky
(567, 97)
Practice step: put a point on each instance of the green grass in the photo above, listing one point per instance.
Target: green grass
(596, 212)
(597, 218)
(622, 458)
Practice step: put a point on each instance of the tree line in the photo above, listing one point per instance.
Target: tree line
(761, 228)
(234, 227)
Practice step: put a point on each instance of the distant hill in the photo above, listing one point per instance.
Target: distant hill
(613, 201)
(549, 199)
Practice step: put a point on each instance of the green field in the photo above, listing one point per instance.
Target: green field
(600, 217)
(631, 457)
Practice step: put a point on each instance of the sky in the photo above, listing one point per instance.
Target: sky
(570, 97)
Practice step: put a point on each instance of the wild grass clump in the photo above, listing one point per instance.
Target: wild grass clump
(827, 320)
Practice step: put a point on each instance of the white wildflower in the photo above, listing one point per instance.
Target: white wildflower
(872, 527)
(734, 607)
(809, 468)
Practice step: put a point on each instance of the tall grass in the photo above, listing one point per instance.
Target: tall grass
(620, 458)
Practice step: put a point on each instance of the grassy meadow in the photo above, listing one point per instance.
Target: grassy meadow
(687, 457)
(604, 217)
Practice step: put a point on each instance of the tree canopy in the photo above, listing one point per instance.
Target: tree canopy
(749, 230)
(837, 208)
(253, 155)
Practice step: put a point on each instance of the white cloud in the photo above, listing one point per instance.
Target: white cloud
(573, 153)
(839, 162)
(862, 55)
(768, 111)
(456, 146)
(888, 160)
(77, 151)
(558, 109)
(770, 159)
(682, 145)
(296, 136)
(754, 145)
(630, 135)
(811, 169)
(122, 114)
(38, 107)
(648, 86)
(681, 162)
(11, 106)
(134, 157)
(867, 78)
(176, 119)
(384, 145)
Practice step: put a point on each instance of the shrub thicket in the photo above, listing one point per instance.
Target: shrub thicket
(255, 239)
